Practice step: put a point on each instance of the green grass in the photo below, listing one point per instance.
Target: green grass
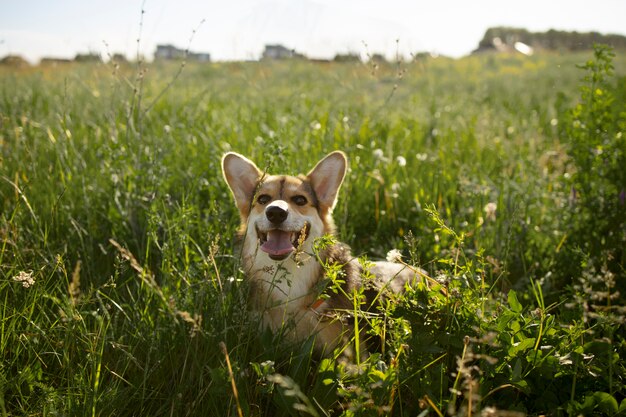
(112, 200)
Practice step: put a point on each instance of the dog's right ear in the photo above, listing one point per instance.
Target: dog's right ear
(242, 177)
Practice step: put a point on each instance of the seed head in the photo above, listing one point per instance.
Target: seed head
(25, 278)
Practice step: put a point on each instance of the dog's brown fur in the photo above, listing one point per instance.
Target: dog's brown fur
(285, 277)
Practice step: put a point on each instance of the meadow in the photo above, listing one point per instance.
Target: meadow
(501, 175)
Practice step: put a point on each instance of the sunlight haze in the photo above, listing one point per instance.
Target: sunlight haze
(239, 30)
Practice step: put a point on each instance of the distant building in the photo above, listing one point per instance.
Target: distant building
(170, 52)
(199, 56)
(280, 52)
(48, 61)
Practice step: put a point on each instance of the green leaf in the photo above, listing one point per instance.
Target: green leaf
(523, 386)
(522, 346)
(504, 320)
(377, 374)
(517, 371)
(606, 402)
(514, 302)
(588, 404)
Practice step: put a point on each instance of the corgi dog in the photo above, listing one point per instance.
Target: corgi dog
(282, 218)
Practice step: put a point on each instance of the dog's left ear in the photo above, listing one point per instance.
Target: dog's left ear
(327, 177)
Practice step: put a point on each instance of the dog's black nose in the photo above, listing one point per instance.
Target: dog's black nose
(276, 213)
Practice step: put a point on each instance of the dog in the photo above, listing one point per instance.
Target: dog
(282, 219)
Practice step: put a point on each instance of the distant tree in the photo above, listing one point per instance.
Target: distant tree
(90, 57)
(15, 61)
(551, 40)
(119, 58)
(348, 57)
(377, 58)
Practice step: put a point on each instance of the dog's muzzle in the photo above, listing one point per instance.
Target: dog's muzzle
(280, 242)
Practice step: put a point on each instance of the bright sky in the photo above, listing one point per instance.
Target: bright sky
(239, 29)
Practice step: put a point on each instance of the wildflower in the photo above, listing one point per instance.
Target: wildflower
(395, 188)
(315, 125)
(401, 160)
(378, 153)
(421, 157)
(394, 255)
(564, 360)
(442, 279)
(490, 211)
(25, 278)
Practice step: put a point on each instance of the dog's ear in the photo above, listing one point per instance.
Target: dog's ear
(242, 177)
(327, 176)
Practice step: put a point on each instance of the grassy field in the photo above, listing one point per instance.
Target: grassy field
(502, 176)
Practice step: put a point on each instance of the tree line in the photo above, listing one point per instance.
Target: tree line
(556, 40)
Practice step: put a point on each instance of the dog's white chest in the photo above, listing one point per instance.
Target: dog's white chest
(285, 284)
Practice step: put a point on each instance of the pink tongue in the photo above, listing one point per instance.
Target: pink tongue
(278, 243)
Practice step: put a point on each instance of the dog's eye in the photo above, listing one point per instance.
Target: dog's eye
(300, 200)
(263, 199)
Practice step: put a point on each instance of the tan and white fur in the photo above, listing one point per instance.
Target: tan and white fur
(281, 218)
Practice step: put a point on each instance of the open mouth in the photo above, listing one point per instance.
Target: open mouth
(279, 244)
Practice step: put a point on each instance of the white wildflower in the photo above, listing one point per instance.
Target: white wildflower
(395, 188)
(394, 255)
(442, 279)
(401, 160)
(421, 157)
(490, 211)
(315, 125)
(25, 278)
(378, 153)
